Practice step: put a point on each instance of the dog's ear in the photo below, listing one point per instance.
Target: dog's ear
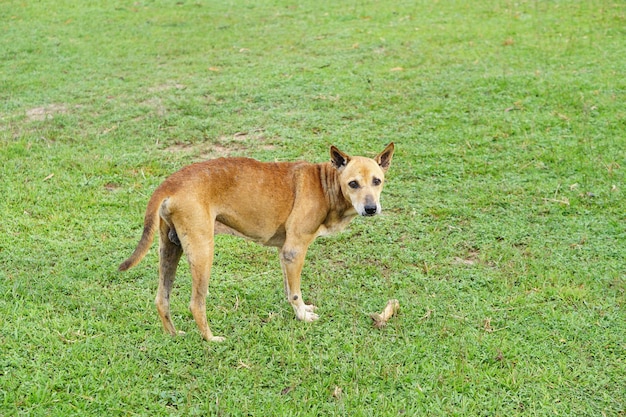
(384, 158)
(338, 158)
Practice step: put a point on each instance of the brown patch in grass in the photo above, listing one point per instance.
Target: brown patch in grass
(165, 87)
(45, 112)
(225, 146)
(472, 258)
(111, 186)
(156, 104)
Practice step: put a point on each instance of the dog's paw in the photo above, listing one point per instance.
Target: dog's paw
(308, 314)
(217, 339)
(310, 317)
(305, 312)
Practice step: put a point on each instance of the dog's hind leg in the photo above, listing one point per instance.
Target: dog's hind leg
(197, 242)
(169, 255)
(193, 235)
(200, 261)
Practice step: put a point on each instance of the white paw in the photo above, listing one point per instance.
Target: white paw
(310, 307)
(311, 317)
(307, 314)
(217, 339)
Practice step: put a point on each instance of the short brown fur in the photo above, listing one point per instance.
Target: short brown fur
(282, 204)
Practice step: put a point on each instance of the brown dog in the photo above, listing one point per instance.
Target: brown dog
(283, 204)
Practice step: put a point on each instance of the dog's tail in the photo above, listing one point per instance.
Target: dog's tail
(150, 225)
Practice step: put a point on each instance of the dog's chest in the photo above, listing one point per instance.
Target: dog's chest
(336, 225)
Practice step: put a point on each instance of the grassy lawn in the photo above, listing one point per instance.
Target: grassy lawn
(503, 232)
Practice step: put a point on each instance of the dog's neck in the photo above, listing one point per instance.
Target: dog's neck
(329, 178)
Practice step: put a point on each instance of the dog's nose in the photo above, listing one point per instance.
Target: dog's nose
(370, 210)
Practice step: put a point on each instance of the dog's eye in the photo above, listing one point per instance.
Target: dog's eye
(376, 181)
(353, 184)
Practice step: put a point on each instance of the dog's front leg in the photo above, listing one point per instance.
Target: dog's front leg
(292, 260)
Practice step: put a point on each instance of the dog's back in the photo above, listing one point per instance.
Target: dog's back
(253, 198)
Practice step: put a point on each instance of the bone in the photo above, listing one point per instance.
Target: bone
(380, 320)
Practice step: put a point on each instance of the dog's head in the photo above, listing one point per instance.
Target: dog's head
(362, 179)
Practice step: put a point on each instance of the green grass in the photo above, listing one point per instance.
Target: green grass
(503, 233)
